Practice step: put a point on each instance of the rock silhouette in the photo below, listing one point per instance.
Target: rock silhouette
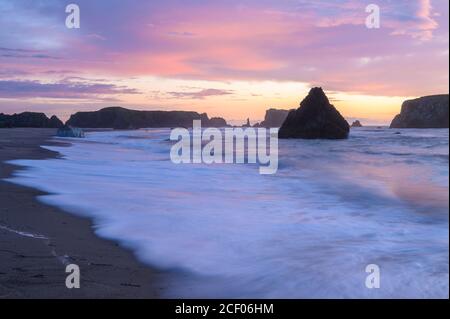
(247, 124)
(356, 123)
(315, 119)
(122, 118)
(274, 118)
(217, 122)
(29, 119)
(425, 112)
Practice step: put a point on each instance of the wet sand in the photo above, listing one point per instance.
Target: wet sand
(37, 241)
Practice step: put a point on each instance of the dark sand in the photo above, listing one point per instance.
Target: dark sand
(33, 267)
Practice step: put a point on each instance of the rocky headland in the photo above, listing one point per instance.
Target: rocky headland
(29, 119)
(274, 118)
(424, 112)
(122, 118)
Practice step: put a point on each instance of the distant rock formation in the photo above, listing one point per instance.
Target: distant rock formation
(315, 119)
(69, 131)
(357, 123)
(425, 112)
(217, 122)
(274, 118)
(29, 119)
(247, 124)
(121, 118)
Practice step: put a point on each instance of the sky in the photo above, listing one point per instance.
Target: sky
(230, 58)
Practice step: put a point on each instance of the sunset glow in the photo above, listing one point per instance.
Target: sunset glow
(233, 59)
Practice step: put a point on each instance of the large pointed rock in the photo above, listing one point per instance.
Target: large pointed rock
(315, 119)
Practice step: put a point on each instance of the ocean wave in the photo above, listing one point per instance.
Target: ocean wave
(308, 231)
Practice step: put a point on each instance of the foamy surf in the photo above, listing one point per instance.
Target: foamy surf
(309, 231)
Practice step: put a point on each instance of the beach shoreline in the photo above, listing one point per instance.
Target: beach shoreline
(37, 241)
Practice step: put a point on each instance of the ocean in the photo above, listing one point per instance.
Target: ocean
(309, 231)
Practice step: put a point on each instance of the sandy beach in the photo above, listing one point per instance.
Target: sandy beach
(37, 241)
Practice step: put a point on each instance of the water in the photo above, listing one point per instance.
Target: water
(307, 232)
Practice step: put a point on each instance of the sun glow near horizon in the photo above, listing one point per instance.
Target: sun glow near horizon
(233, 100)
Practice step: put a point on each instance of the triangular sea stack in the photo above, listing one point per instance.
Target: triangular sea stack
(315, 119)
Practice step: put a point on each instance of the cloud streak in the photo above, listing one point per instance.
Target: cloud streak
(199, 94)
(61, 90)
(23, 53)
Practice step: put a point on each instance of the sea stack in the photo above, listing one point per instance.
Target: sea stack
(69, 131)
(425, 112)
(315, 119)
(356, 123)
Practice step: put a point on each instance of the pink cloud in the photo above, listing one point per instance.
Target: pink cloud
(421, 26)
(306, 41)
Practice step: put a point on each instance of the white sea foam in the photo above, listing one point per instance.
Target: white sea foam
(22, 233)
(308, 231)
